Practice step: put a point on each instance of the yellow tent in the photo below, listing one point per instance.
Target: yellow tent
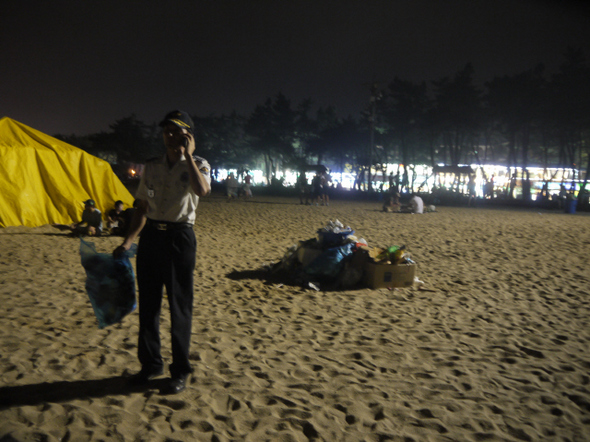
(45, 181)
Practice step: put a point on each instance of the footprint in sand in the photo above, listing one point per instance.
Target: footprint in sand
(175, 405)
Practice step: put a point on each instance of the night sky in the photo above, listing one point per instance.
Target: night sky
(75, 67)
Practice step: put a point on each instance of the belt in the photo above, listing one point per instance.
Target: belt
(167, 225)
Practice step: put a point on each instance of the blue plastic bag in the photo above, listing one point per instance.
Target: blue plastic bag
(333, 239)
(110, 283)
(330, 263)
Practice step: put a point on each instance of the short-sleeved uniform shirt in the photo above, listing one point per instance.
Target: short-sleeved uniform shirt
(168, 190)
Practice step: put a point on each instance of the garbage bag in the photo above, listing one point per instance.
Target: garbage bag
(110, 283)
(334, 234)
(332, 239)
(330, 263)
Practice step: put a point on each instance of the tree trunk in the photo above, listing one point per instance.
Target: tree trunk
(268, 167)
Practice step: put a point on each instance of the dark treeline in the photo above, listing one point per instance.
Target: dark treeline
(522, 120)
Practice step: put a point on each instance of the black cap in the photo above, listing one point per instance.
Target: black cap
(179, 118)
(90, 203)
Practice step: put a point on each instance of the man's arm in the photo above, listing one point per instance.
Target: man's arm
(137, 223)
(82, 221)
(96, 219)
(199, 183)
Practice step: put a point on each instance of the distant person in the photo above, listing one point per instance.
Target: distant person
(325, 180)
(115, 219)
(392, 204)
(490, 188)
(545, 191)
(359, 180)
(231, 186)
(91, 223)
(303, 188)
(512, 186)
(247, 186)
(436, 194)
(562, 196)
(316, 188)
(415, 205)
(471, 189)
(394, 183)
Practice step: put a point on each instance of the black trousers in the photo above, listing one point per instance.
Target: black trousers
(166, 258)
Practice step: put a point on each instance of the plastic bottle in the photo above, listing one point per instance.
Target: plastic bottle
(398, 255)
(387, 254)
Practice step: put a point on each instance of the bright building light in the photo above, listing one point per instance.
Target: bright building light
(423, 178)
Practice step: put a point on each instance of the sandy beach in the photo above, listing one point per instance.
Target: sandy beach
(493, 346)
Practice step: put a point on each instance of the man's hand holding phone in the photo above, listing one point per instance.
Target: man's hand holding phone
(188, 145)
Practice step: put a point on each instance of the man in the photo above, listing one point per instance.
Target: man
(126, 218)
(392, 204)
(303, 188)
(316, 188)
(247, 186)
(415, 205)
(232, 187)
(91, 223)
(471, 189)
(115, 219)
(325, 179)
(167, 200)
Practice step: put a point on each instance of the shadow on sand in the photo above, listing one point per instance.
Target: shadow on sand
(266, 276)
(284, 277)
(64, 391)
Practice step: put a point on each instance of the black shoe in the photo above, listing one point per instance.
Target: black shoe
(145, 376)
(176, 384)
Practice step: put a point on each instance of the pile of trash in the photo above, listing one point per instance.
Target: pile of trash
(391, 255)
(337, 259)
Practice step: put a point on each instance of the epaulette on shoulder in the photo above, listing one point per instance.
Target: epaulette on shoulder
(202, 164)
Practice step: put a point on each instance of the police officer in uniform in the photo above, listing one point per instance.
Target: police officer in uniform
(167, 200)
